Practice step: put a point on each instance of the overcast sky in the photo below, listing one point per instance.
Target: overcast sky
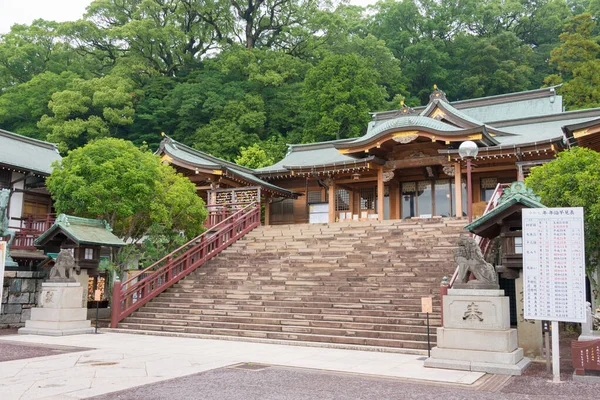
(25, 11)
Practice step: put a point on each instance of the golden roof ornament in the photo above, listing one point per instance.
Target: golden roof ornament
(437, 94)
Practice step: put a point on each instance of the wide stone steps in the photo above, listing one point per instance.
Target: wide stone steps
(217, 297)
(223, 309)
(265, 293)
(353, 284)
(349, 330)
(185, 313)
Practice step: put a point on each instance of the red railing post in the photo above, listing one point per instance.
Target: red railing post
(115, 308)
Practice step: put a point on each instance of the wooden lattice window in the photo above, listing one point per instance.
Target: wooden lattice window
(282, 211)
(315, 197)
(342, 200)
(5, 179)
(367, 198)
(489, 183)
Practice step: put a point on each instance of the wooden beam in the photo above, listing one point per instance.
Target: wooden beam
(366, 179)
(419, 162)
(380, 194)
(491, 169)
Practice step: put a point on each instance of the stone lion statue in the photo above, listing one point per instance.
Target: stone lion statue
(470, 260)
(63, 270)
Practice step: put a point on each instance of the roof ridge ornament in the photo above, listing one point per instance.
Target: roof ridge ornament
(518, 188)
(405, 110)
(437, 94)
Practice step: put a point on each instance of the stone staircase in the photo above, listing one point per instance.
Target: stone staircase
(345, 283)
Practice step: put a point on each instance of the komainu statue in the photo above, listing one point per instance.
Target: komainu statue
(63, 270)
(470, 260)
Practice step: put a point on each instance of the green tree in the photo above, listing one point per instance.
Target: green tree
(339, 92)
(22, 105)
(254, 157)
(89, 109)
(578, 62)
(128, 187)
(239, 125)
(28, 50)
(573, 180)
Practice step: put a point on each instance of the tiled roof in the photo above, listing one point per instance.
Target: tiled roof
(27, 154)
(82, 231)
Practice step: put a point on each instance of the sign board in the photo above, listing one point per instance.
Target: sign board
(97, 295)
(554, 264)
(2, 260)
(585, 356)
(426, 304)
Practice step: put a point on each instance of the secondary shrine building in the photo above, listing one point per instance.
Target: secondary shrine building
(406, 165)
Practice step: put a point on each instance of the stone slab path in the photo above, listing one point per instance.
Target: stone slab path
(123, 361)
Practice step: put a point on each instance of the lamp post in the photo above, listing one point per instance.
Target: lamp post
(469, 151)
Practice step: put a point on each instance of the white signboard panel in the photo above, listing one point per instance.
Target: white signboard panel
(2, 256)
(554, 264)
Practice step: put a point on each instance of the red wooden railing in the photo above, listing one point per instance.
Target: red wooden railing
(484, 243)
(31, 227)
(131, 295)
(220, 212)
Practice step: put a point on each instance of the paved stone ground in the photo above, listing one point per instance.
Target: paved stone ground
(283, 383)
(10, 351)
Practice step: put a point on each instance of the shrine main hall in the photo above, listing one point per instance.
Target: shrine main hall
(406, 165)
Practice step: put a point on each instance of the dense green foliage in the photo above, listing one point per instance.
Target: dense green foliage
(573, 180)
(128, 187)
(223, 75)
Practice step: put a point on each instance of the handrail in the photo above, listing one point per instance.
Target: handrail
(483, 243)
(129, 296)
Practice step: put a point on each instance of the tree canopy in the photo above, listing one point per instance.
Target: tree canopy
(129, 187)
(224, 75)
(573, 180)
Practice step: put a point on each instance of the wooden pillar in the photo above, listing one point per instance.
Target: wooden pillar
(332, 202)
(351, 194)
(380, 194)
(394, 201)
(458, 189)
(268, 211)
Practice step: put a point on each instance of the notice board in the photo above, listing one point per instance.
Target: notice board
(554, 264)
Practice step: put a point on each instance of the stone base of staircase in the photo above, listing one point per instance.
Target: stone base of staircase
(377, 349)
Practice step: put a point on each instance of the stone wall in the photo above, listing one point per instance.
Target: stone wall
(20, 294)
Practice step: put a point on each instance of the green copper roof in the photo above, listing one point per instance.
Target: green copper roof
(27, 154)
(198, 158)
(516, 193)
(404, 122)
(82, 231)
(309, 155)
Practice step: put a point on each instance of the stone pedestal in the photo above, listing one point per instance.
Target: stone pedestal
(476, 335)
(60, 312)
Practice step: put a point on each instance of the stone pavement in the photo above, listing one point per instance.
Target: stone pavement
(123, 361)
(284, 383)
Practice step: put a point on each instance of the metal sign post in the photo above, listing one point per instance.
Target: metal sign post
(554, 270)
(97, 297)
(2, 261)
(546, 331)
(427, 307)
